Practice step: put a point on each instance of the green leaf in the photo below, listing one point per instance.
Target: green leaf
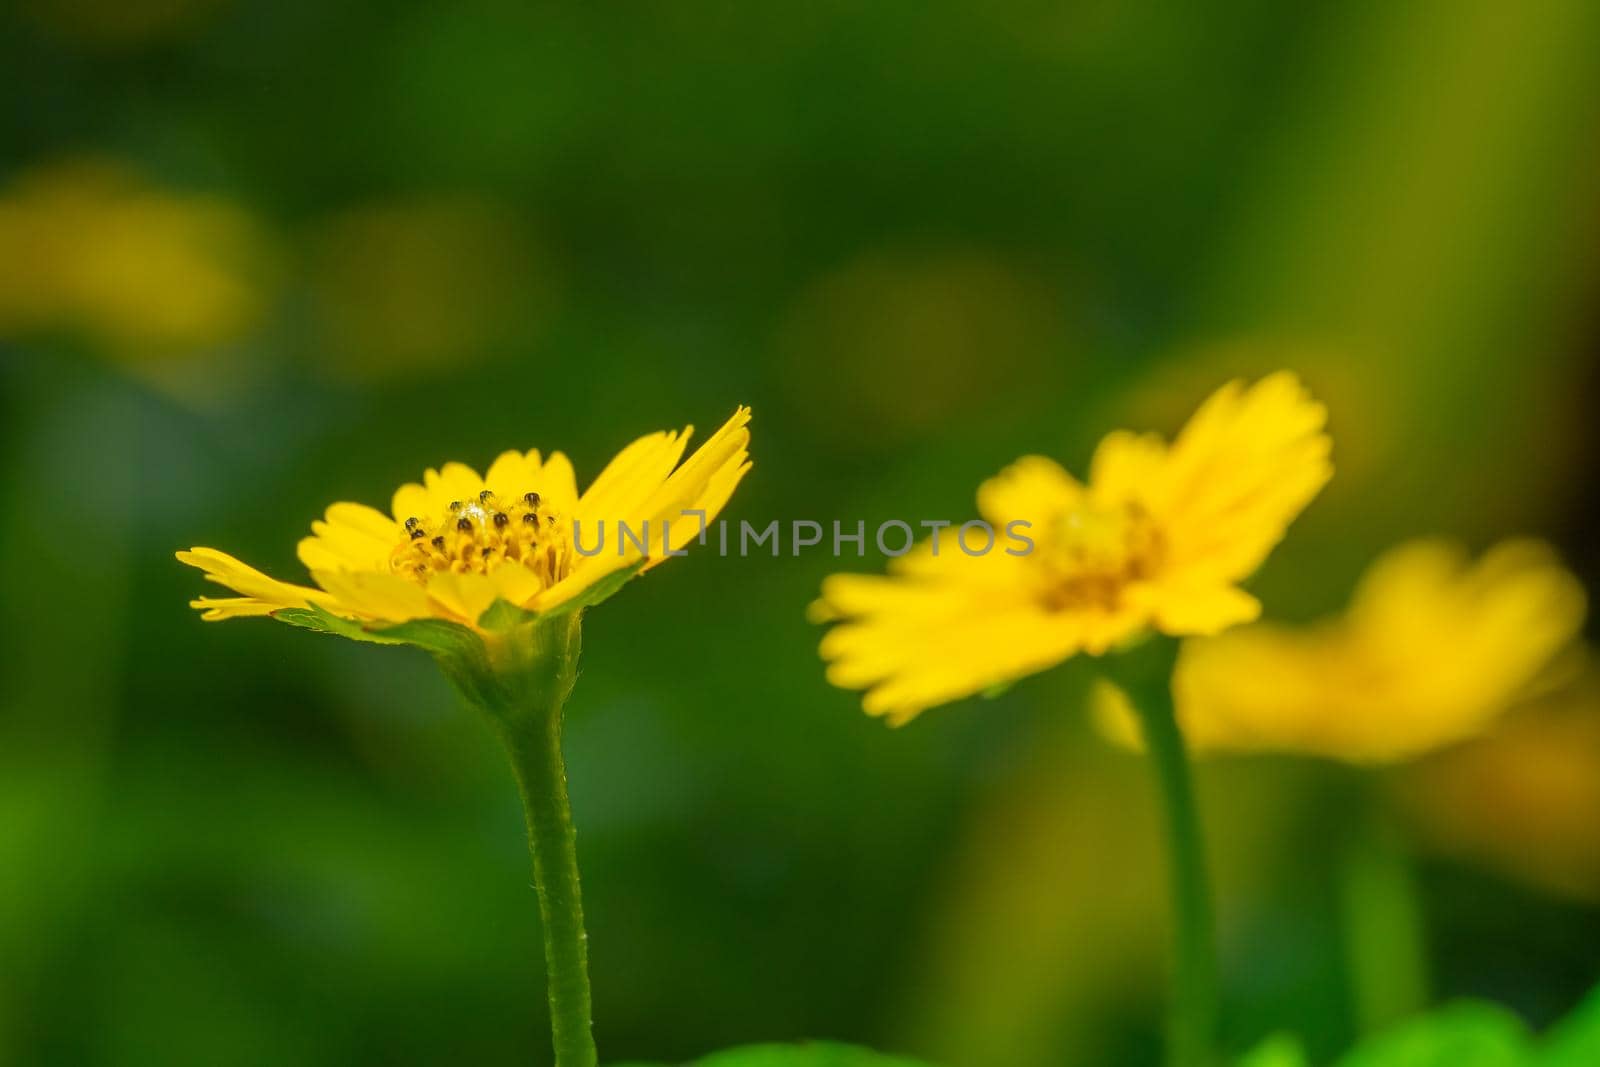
(811, 1054)
(1575, 1041)
(1461, 1035)
(1280, 1050)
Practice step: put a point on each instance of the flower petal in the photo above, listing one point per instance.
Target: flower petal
(353, 537)
(1197, 609)
(412, 501)
(628, 480)
(1032, 489)
(1246, 464)
(269, 593)
(464, 596)
(704, 482)
(558, 483)
(450, 483)
(376, 594)
(1126, 466)
(934, 645)
(514, 473)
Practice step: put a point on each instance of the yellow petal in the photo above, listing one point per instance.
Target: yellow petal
(1433, 650)
(1114, 716)
(352, 537)
(558, 483)
(692, 483)
(704, 482)
(513, 474)
(214, 609)
(683, 530)
(1244, 466)
(628, 480)
(1032, 489)
(463, 596)
(376, 595)
(914, 643)
(449, 484)
(1197, 609)
(515, 585)
(412, 501)
(1127, 466)
(909, 669)
(270, 593)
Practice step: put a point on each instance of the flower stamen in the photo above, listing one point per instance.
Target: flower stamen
(1091, 555)
(482, 535)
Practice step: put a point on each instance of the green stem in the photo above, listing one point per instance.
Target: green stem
(1193, 1013)
(1385, 939)
(542, 776)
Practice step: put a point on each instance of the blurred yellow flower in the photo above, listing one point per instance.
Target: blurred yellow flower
(977, 333)
(1525, 798)
(1158, 538)
(1432, 649)
(120, 23)
(424, 284)
(458, 543)
(88, 246)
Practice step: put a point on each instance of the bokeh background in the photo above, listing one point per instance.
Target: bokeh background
(259, 255)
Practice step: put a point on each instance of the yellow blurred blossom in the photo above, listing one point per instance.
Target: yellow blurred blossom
(459, 543)
(1525, 798)
(118, 24)
(412, 285)
(90, 247)
(1434, 647)
(1158, 538)
(975, 331)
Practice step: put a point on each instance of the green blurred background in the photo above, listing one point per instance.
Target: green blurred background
(259, 255)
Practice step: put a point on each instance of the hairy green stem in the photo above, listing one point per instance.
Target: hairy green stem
(521, 677)
(542, 778)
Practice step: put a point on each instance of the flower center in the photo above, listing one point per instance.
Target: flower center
(482, 534)
(1089, 555)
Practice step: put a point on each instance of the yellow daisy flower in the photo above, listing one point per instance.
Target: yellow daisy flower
(1432, 650)
(1524, 799)
(1158, 539)
(481, 551)
(490, 575)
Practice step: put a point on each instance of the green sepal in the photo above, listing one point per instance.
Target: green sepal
(524, 671)
(604, 589)
(323, 621)
(503, 615)
(524, 660)
(995, 691)
(811, 1054)
(434, 635)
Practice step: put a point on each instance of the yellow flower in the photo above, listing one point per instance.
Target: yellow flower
(143, 272)
(459, 544)
(1158, 539)
(1523, 799)
(1433, 648)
